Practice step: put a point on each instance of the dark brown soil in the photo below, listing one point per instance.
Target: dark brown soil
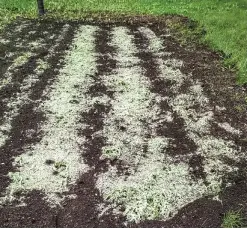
(199, 62)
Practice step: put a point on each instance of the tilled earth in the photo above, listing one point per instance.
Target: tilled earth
(117, 125)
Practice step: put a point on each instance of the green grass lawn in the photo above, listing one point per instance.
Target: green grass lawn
(224, 20)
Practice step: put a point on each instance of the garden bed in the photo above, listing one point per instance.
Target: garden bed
(117, 124)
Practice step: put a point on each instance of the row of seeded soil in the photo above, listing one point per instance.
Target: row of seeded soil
(88, 196)
(183, 145)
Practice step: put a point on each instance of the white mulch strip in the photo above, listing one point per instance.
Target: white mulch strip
(198, 124)
(130, 107)
(60, 143)
(228, 128)
(14, 104)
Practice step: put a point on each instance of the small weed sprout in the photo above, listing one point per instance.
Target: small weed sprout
(123, 83)
(232, 219)
(59, 167)
(42, 65)
(110, 153)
